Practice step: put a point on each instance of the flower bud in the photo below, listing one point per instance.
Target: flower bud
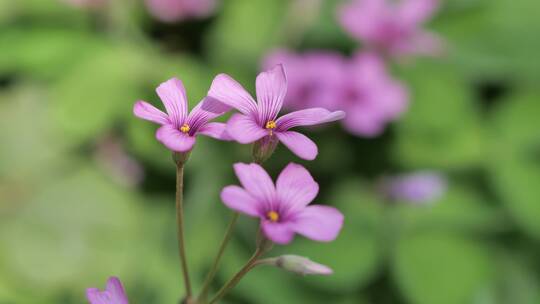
(301, 265)
(263, 148)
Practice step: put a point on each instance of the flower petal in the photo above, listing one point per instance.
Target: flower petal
(307, 117)
(95, 296)
(239, 200)
(319, 223)
(230, 92)
(271, 90)
(148, 112)
(256, 182)
(295, 187)
(279, 233)
(299, 144)
(175, 140)
(215, 130)
(173, 96)
(208, 109)
(118, 294)
(244, 129)
(413, 12)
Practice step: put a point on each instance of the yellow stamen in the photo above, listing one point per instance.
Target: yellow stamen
(184, 128)
(273, 216)
(271, 125)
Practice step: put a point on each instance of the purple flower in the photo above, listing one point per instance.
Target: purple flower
(178, 129)
(419, 187)
(372, 98)
(283, 208)
(176, 10)
(361, 86)
(113, 294)
(259, 119)
(392, 26)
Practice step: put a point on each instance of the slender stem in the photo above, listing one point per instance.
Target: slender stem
(238, 276)
(180, 226)
(213, 270)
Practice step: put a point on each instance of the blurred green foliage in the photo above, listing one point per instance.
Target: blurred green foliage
(69, 78)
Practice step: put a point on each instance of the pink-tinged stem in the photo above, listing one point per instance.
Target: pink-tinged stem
(213, 270)
(180, 226)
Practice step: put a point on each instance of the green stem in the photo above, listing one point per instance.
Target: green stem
(213, 270)
(238, 276)
(180, 226)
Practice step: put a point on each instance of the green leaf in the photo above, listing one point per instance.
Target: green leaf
(441, 268)
(441, 128)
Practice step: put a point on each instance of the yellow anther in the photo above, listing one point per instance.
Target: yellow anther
(271, 125)
(273, 216)
(184, 128)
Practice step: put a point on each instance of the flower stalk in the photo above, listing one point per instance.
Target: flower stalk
(180, 161)
(211, 274)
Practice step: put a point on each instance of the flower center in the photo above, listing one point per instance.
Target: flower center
(184, 128)
(270, 125)
(273, 216)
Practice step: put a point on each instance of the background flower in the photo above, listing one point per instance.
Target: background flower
(177, 10)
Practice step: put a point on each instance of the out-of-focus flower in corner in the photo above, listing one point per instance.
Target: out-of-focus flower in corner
(88, 4)
(417, 187)
(178, 129)
(283, 208)
(171, 11)
(372, 98)
(114, 293)
(360, 86)
(394, 27)
(259, 121)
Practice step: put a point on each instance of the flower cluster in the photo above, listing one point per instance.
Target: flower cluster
(361, 84)
(283, 208)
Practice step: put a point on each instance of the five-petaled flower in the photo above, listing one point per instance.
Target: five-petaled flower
(178, 129)
(259, 119)
(113, 294)
(283, 208)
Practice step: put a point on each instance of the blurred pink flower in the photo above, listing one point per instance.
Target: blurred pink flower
(113, 294)
(259, 119)
(283, 208)
(114, 159)
(417, 187)
(178, 129)
(91, 4)
(360, 86)
(176, 10)
(392, 26)
(372, 98)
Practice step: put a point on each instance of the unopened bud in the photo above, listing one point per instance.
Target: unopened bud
(263, 148)
(301, 265)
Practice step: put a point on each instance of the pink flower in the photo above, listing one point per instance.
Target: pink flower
(361, 86)
(113, 294)
(416, 187)
(283, 208)
(392, 26)
(178, 129)
(259, 119)
(177, 10)
(372, 97)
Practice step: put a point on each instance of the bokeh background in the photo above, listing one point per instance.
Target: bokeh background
(87, 192)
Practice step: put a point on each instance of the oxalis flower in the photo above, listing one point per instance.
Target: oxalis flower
(259, 121)
(113, 294)
(283, 208)
(392, 26)
(178, 129)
